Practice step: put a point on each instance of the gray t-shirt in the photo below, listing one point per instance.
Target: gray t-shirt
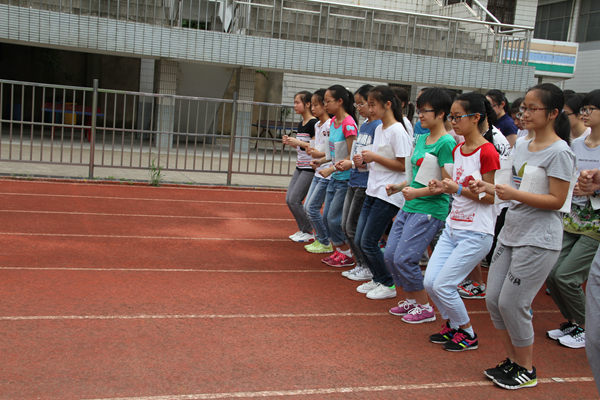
(530, 226)
(586, 159)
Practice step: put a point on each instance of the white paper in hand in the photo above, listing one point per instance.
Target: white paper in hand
(311, 143)
(324, 148)
(566, 208)
(503, 176)
(535, 180)
(595, 200)
(428, 170)
(341, 151)
(385, 151)
(408, 168)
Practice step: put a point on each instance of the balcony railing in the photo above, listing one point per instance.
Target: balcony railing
(320, 22)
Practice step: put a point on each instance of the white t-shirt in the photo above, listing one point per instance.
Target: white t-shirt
(322, 136)
(401, 143)
(583, 135)
(469, 214)
(587, 158)
(522, 133)
(409, 127)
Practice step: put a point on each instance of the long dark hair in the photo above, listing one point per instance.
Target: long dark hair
(474, 102)
(340, 92)
(382, 94)
(305, 96)
(498, 98)
(514, 107)
(552, 98)
(574, 101)
(363, 91)
(402, 95)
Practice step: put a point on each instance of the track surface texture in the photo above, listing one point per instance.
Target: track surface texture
(129, 292)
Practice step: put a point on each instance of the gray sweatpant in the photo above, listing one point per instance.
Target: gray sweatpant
(592, 325)
(516, 275)
(297, 190)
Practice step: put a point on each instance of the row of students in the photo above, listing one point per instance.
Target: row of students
(526, 252)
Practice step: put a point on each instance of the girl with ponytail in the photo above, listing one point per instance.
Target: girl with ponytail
(502, 109)
(469, 230)
(528, 245)
(342, 134)
(385, 161)
(402, 95)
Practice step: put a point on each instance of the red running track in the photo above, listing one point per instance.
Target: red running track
(113, 292)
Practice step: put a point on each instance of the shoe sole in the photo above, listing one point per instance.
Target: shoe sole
(381, 298)
(361, 292)
(571, 347)
(341, 266)
(439, 342)
(397, 314)
(477, 297)
(318, 252)
(303, 241)
(357, 279)
(528, 385)
(463, 349)
(420, 321)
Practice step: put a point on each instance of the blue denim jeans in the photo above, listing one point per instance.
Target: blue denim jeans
(332, 213)
(312, 206)
(375, 217)
(455, 255)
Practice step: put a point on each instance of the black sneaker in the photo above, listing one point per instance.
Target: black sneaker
(501, 369)
(517, 378)
(461, 341)
(443, 336)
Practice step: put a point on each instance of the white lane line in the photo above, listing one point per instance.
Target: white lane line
(140, 199)
(141, 215)
(213, 316)
(220, 271)
(355, 389)
(189, 316)
(182, 187)
(139, 237)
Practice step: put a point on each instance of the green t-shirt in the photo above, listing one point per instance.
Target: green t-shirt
(437, 206)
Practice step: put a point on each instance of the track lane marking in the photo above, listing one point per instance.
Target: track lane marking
(140, 237)
(141, 215)
(140, 199)
(213, 316)
(354, 389)
(245, 271)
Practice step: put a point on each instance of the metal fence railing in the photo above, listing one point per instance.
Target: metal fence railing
(479, 37)
(63, 125)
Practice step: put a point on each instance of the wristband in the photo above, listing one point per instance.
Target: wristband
(459, 191)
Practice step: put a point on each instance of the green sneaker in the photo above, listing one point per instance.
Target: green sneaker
(317, 247)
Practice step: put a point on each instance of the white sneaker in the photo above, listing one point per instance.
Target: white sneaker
(292, 236)
(366, 287)
(351, 271)
(382, 292)
(565, 329)
(575, 339)
(304, 237)
(364, 274)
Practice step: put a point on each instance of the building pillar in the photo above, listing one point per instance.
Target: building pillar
(245, 91)
(145, 103)
(166, 83)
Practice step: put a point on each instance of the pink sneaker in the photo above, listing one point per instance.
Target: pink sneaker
(342, 261)
(332, 258)
(419, 314)
(403, 308)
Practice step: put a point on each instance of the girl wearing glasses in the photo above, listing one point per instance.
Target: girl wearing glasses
(528, 245)
(502, 109)
(581, 238)
(469, 230)
(573, 110)
(423, 213)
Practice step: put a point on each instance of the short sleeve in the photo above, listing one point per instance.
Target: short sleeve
(311, 127)
(489, 157)
(349, 127)
(401, 141)
(444, 153)
(562, 165)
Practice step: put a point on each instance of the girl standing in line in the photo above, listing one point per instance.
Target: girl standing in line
(386, 166)
(504, 121)
(405, 103)
(303, 175)
(318, 188)
(424, 212)
(469, 230)
(581, 238)
(572, 109)
(357, 185)
(342, 134)
(528, 245)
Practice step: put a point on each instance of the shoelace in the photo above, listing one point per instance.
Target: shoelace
(565, 326)
(458, 337)
(577, 333)
(405, 305)
(445, 329)
(416, 310)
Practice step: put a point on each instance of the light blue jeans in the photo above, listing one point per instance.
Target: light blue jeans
(312, 206)
(455, 255)
(334, 206)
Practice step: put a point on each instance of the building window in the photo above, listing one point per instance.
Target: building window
(589, 21)
(504, 10)
(552, 21)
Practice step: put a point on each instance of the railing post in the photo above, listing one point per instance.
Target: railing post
(232, 138)
(93, 128)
